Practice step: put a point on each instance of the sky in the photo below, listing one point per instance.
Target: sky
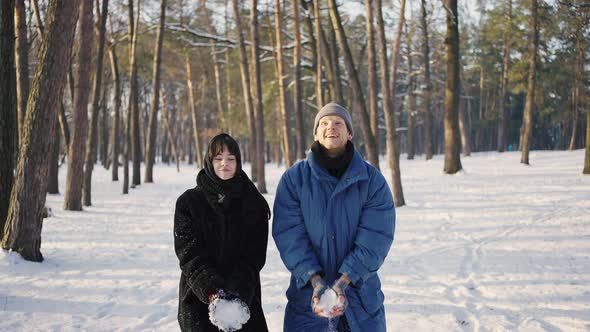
(499, 246)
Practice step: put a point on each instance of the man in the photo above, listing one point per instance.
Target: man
(334, 220)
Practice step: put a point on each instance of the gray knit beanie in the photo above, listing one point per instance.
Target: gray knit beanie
(333, 109)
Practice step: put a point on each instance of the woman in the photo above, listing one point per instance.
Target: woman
(220, 238)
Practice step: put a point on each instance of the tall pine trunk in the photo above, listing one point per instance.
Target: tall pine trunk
(77, 150)
(22, 233)
(392, 143)
(297, 88)
(452, 91)
(22, 62)
(134, 131)
(8, 109)
(318, 48)
(357, 91)
(92, 142)
(529, 107)
(372, 72)
(285, 114)
(503, 114)
(257, 99)
(191, 101)
(114, 137)
(150, 151)
(428, 118)
(246, 88)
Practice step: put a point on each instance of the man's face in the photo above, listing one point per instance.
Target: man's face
(333, 134)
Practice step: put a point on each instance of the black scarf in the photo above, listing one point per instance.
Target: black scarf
(336, 166)
(221, 192)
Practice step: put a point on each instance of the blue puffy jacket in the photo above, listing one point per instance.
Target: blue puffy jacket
(333, 226)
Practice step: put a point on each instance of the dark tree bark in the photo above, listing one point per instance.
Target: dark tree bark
(578, 85)
(92, 141)
(587, 158)
(388, 98)
(297, 89)
(22, 233)
(53, 172)
(134, 131)
(191, 100)
(452, 91)
(77, 151)
(150, 150)
(357, 91)
(257, 98)
(503, 112)
(22, 62)
(115, 141)
(428, 121)
(464, 128)
(104, 129)
(285, 114)
(246, 87)
(372, 72)
(529, 107)
(169, 131)
(8, 109)
(411, 103)
(318, 47)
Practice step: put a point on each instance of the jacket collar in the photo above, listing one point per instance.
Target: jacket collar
(356, 171)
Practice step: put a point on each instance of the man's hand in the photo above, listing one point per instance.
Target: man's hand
(339, 287)
(319, 287)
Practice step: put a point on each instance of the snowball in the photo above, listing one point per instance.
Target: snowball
(328, 301)
(228, 315)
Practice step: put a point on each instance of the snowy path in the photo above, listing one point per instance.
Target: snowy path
(500, 247)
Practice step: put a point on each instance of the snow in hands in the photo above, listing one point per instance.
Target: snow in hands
(228, 315)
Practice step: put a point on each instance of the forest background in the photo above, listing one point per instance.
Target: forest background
(116, 83)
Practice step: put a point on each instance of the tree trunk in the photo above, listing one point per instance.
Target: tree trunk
(115, 141)
(388, 105)
(257, 99)
(53, 172)
(77, 151)
(104, 129)
(529, 107)
(297, 90)
(22, 233)
(428, 121)
(169, 131)
(22, 62)
(411, 148)
(464, 128)
(150, 151)
(503, 115)
(357, 91)
(285, 114)
(587, 158)
(331, 53)
(372, 73)
(216, 71)
(135, 133)
(8, 108)
(452, 91)
(246, 88)
(191, 101)
(91, 146)
(318, 59)
(578, 89)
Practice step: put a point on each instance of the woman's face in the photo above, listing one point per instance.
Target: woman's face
(225, 164)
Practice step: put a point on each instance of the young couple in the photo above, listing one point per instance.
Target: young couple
(333, 224)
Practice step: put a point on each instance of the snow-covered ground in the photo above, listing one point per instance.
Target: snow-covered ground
(499, 247)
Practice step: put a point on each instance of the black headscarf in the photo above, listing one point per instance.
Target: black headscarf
(236, 193)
